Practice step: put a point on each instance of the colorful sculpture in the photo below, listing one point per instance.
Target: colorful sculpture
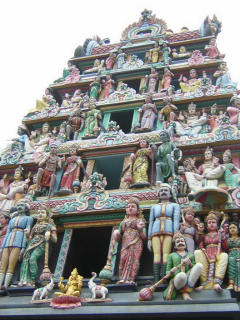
(183, 279)
(111, 60)
(190, 123)
(189, 85)
(211, 255)
(97, 67)
(167, 114)
(155, 53)
(133, 232)
(95, 88)
(92, 118)
(187, 228)
(147, 116)
(108, 86)
(223, 78)
(15, 242)
(163, 223)
(120, 58)
(231, 174)
(4, 220)
(73, 286)
(43, 231)
(152, 81)
(72, 167)
(97, 291)
(46, 176)
(140, 165)
(212, 51)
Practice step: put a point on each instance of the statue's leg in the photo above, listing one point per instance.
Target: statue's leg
(166, 250)
(159, 177)
(200, 257)
(220, 268)
(171, 164)
(39, 178)
(180, 280)
(52, 182)
(156, 246)
(194, 274)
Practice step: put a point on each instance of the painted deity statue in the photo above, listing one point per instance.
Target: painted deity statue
(44, 139)
(211, 255)
(167, 114)
(155, 53)
(111, 60)
(207, 174)
(140, 165)
(212, 51)
(15, 191)
(97, 67)
(72, 166)
(95, 88)
(147, 115)
(74, 75)
(108, 86)
(132, 230)
(233, 110)
(15, 242)
(92, 118)
(190, 123)
(223, 78)
(187, 228)
(4, 220)
(47, 101)
(120, 58)
(183, 53)
(67, 102)
(189, 85)
(163, 223)
(167, 78)
(183, 279)
(152, 81)
(165, 53)
(231, 174)
(165, 158)
(48, 166)
(73, 286)
(42, 231)
(233, 246)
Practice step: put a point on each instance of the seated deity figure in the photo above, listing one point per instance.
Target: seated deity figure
(73, 286)
(191, 123)
(97, 67)
(189, 85)
(183, 53)
(212, 51)
(44, 139)
(211, 255)
(207, 174)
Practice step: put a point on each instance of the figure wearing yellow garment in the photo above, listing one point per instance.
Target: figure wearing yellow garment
(163, 222)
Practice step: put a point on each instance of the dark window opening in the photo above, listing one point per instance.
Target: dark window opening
(111, 168)
(88, 251)
(133, 83)
(123, 119)
(144, 32)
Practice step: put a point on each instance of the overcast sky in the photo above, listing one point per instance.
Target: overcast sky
(39, 36)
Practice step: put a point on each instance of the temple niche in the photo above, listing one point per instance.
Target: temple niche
(123, 181)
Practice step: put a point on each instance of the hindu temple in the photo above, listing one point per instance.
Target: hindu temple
(120, 196)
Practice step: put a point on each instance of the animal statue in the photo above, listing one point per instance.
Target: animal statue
(43, 292)
(97, 291)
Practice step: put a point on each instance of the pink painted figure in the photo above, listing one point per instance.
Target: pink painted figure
(4, 183)
(212, 51)
(167, 78)
(74, 75)
(133, 232)
(108, 86)
(110, 61)
(196, 58)
(233, 110)
(72, 170)
(152, 80)
(188, 229)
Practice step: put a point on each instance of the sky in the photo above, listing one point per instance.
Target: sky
(39, 36)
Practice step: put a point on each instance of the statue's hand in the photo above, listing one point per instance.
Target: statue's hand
(149, 245)
(140, 225)
(47, 235)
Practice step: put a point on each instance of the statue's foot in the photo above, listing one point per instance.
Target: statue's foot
(217, 287)
(186, 296)
(230, 287)
(199, 288)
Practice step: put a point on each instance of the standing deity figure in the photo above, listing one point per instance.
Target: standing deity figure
(189, 85)
(140, 165)
(167, 78)
(211, 256)
(188, 229)
(15, 242)
(165, 53)
(46, 176)
(76, 100)
(4, 220)
(95, 88)
(110, 61)
(92, 118)
(231, 174)
(190, 123)
(42, 231)
(132, 230)
(184, 278)
(108, 86)
(152, 81)
(163, 223)
(167, 114)
(74, 75)
(165, 158)
(155, 53)
(147, 115)
(120, 58)
(72, 166)
(233, 246)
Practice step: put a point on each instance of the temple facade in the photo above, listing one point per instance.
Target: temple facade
(120, 196)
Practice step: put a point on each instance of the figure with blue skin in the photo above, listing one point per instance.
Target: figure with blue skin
(163, 223)
(120, 59)
(15, 241)
(223, 77)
